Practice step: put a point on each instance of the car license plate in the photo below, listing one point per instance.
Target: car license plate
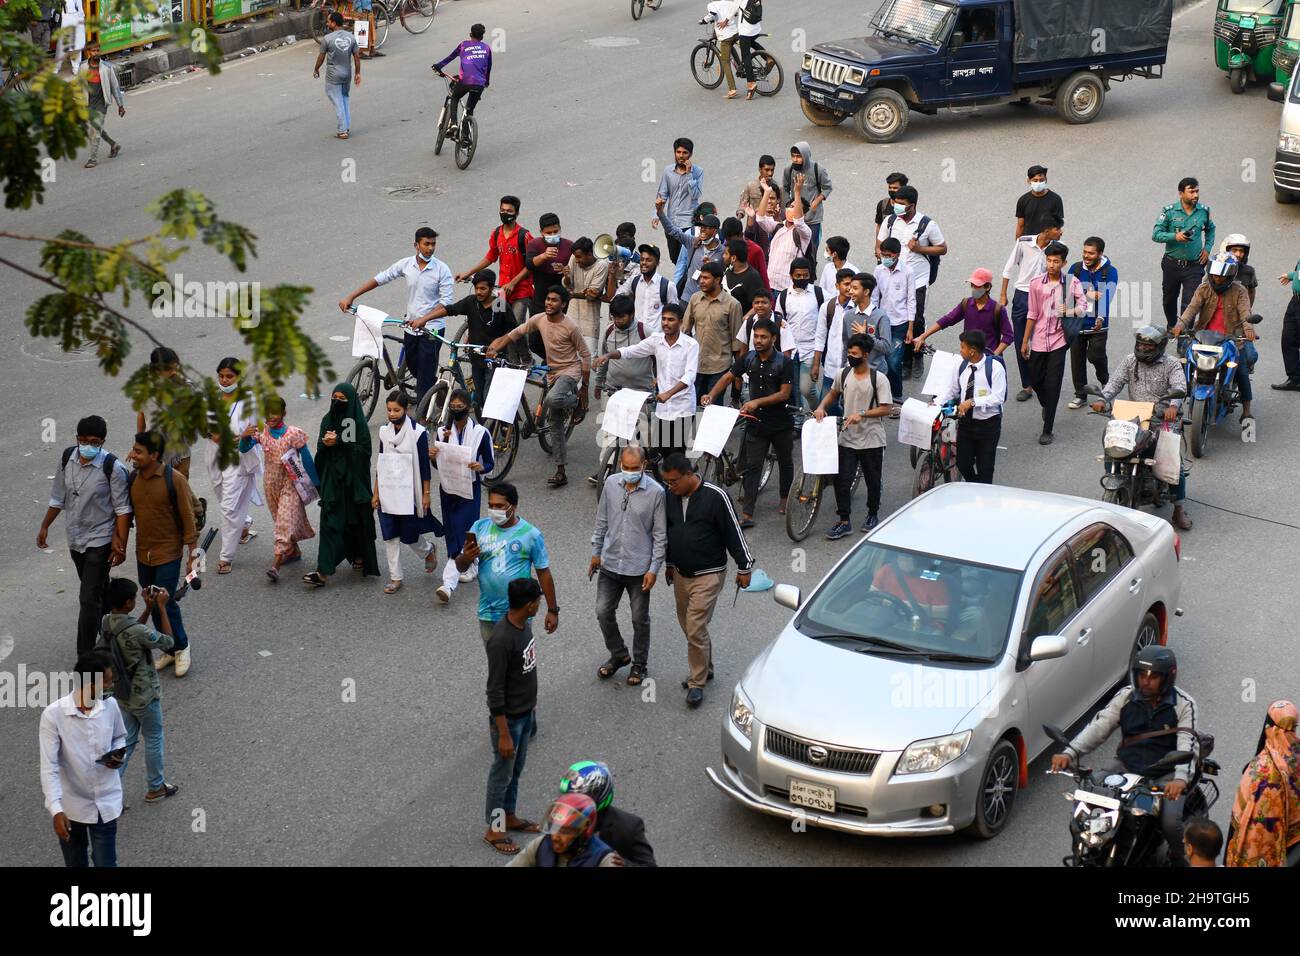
(814, 796)
(818, 98)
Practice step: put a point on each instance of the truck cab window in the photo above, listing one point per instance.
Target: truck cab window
(975, 26)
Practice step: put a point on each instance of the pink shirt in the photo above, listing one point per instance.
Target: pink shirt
(1045, 312)
(786, 245)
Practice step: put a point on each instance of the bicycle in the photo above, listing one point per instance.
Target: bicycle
(940, 461)
(638, 7)
(527, 424)
(466, 126)
(417, 15)
(367, 378)
(725, 468)
(431, 409)
(321, 9)
(706, 66)
(612, 457)
(805, 499)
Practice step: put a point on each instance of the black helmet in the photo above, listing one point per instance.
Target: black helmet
(592, 778)
(1149, 344)
(1156, 659)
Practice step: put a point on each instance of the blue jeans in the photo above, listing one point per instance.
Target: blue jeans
(99, 838)
(503, 778)
(338, 94)
(804, 386)
(836, 409)
(148, 722)
(896, 364)
(1019, 318)
(166, 576)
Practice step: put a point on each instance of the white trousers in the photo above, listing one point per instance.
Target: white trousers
(235, 490)
(451, 576)
(393, 550)
(77, 42)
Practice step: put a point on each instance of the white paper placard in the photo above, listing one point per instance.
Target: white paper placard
(714, 429)
(942, 367)
(623, 413)
(454, 476)
(367, 332)
(361, 29)
(917, 422)
(819, 443)
(395, 475)
(504, 394)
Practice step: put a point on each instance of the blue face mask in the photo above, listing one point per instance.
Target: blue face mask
(88, 451)
(632, 477)
(888, 261)
(899, 209)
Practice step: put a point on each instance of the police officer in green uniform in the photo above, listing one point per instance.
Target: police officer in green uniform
(1183, 265)
(1291, 333)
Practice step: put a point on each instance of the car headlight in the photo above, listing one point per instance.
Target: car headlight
(1288, 142)
(807, 61)
(857, 77)
(926, 756)
(742, 712)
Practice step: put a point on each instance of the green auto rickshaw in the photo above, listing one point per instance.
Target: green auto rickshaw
(1245, 32)
(1287, 50)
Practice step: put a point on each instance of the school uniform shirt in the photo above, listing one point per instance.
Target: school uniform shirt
(425, 288)
(827, 279)
(802, 312)
(678, 362)
(745, 337)
(71, 742)
(1045, 298)
(905, 230)
(975, 378)
(649, 296)
(1026, 261)
(895, 293)
(832, 334)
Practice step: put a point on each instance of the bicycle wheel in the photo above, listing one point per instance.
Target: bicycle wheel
(430, 409)
(505, 446)
(803, 504)
(467, 141)
(605, 471)
(417, 15)
(924, 479)
(442, 129)
(638, 7)
(706, 66)
(769, 466)
(364, 377)
(383, 20)
(767, 73)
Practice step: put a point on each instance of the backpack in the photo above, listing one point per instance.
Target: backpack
(171, 493)
(753, 11)
(519, 238)
(875, 385)
(663, 289)
(108, 641)
(988, 369)
(109, 461)
(817, 290)
(921, 226)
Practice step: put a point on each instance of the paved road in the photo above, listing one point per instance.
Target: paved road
(282, 770)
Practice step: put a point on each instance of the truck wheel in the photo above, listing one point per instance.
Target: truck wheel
(1282, 196)
(820, 117)
(883, 117)
(1080, 97)
(1237, 81)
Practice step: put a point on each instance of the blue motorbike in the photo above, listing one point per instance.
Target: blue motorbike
(1211, 359)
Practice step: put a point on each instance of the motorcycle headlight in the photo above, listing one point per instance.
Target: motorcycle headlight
(926, 756)
(1206, 363)
(1096, 824)
(1288, 143)
(742, 712)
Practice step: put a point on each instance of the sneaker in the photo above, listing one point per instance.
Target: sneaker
(443, 594)
(838, 530)
(182, 662)
(872, 520)
(469, 575)
(158, 796)
(1290, 385)
(694, 697)
(163, 661)
(1076, 402)
(1024, 395)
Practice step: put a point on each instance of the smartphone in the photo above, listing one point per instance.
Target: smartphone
(471, 538)
(117, 754)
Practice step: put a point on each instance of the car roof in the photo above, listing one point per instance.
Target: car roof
(983, 524)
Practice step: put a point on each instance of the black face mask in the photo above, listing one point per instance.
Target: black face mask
(507, 218)
(460, 414)
(855, 360)
(800, 283)
(338, 407)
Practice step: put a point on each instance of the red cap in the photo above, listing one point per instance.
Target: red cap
(981, 277)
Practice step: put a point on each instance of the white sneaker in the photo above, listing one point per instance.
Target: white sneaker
(163, 661)
(469, 575)
(182, 662)
(1076, 402)
(443, 594)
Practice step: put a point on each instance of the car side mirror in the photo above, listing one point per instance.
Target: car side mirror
(1048, 647)
(957, 42)
(786, 595)
(1276, 92)
(1254, 318)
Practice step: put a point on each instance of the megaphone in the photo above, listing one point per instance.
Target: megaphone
(603, 245)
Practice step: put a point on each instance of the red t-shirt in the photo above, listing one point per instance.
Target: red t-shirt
(758, 260)
(1216, 323)
(505, 252)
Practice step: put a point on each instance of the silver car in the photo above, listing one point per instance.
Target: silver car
(909, 693)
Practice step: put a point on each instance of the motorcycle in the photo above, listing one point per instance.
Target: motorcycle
(1116, 820)
(1211, 359)
(1128, 451)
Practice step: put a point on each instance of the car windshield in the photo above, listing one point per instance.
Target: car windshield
(885, 597)
(922, 20)
(1259, 7)
(1291, 23)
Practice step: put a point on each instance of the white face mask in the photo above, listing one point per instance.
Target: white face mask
(499, 516)
(1038, 187)
(227, 389)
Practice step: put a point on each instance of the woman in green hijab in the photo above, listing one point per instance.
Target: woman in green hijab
(347, 523)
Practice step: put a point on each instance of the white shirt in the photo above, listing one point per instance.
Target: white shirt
(71, 742)
(827, 280)
(903, 231)
(747, 341)
(802, 314)
(830, 338)
(647, 303)
(895, 293)
(679, 362)
(988, 401)
(425, 287)
(746, 28)
(1026, 261)
(728, 10)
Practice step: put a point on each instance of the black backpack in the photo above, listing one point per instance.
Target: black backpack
(171, 493)
(754, 11)
(922, 225)
(108, 641)
(663, 288)
(109, 461)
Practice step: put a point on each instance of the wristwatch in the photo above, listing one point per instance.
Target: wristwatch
(552, 610)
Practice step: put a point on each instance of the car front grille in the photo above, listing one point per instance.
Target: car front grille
(837, 759)
(1264, 36)
(839, 807)
(1287, 174)
(828, 71)
(1225, 31)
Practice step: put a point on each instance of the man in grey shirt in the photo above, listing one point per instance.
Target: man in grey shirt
(628, 552)
(91, 486)
(341, 47)
(680, 188)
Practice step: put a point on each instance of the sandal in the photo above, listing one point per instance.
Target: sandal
(505, 845)
(612, 666)
(273, 574)
(392, 587)
(248, 534)
(749, 93)
(638, 675)
(431, 561)
(315, 579)
(732, 95)
(340, 135)
(358, 565)
(223, 567)
(112, 153)
(557, 480)
(525, 826)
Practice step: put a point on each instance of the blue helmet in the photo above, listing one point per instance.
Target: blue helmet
(592, 778)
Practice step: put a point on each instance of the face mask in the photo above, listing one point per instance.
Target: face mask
(422, 257)
(855, 361)
(88, 451)
(338, 406)
(551, 240)
(460, 414)
(631, 477)
(1038, 187)
(978, 291)
(899, 209)
(888, 261)
(227, 389)
(800, 283)
(498, 516)
(507, 218)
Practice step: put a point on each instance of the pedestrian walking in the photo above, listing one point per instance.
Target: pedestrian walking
(628, 547)
(137, 690)
(680, 188)
(40, 27)
(1186, 230)
(105, 88)
(801, 308)
(812, 184)
(895, 295)
(787, 241)
(1040, 206)
(511, 699)
(979, 385)
(751, 197)
(91, 487)
(741, 280)
(285, 446)
(1052, 297)
(885, 207)
(833, 333)
(1290, 343)
(235, 484)
(866, 399)
(756, 258)
(921, 244)
(404, 436)
(506, 548)
(702, 529)
(165, 534)
(347, 520)
(83, 740)
(623, 332)
(837, 258)
(166, 364)
(1025, 263)
(700, 244)
(713, 318)
(649, 291)
(344, 68)
(459, 513)
(1100, 281)
(977, 311)
(547, 255)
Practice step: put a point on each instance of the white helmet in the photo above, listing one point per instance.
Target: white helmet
(1235, 239)
(1222, 266)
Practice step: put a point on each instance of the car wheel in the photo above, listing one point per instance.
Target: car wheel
(820, 117)
(997, 792)
(1148, 634)
(883, 116)
(1079, 99)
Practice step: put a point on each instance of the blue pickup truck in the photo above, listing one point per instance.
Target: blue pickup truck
(927, 55)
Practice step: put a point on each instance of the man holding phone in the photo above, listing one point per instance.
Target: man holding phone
(81, 736)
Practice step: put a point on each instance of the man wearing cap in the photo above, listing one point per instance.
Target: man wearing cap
(648, 290)
(1036, 208)
(699, 244)
(977, 311)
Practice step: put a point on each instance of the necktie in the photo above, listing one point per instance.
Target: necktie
(969, 395)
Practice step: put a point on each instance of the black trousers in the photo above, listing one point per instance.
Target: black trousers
(1179, 279)
(1291, 340)
(977, 448)
(92, 569)
(1085, 349)
(1046, 372)
(918, 326)
(459, 90)
(752, 454)
(871, 461)
(747, 46)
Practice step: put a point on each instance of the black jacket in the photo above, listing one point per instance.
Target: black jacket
(698, 544)
(625, 832)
